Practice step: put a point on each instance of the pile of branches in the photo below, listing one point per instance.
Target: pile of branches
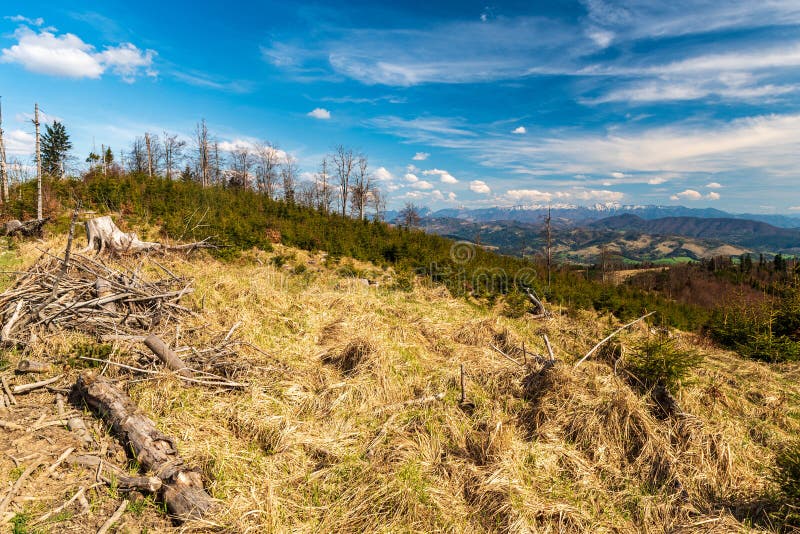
(82, 294)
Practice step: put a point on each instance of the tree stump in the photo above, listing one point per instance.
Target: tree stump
(182, 488)
(102, 234)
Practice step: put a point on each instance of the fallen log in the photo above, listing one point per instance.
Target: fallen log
(32, 227)
(167, 355)
(182, 489)
(33, 366)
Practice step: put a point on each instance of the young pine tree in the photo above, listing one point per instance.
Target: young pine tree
(55, 149)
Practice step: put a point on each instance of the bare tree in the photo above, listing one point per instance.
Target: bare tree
(173, 151)
(289, 178)
(324, 192)
(361, 188)
(216, 164)
(344, 162)
(409, 216)
(137, 158)
(201, 141)
(378, 202)
(266, 172)
(3, 170)
(241, 162)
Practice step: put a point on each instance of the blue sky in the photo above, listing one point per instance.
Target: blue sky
(455, 103)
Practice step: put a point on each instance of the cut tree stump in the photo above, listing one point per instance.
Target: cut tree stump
(103, 235)
(182, 489)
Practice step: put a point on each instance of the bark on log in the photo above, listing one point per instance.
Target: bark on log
(182, 488)
(32, 227)
(33, 366)
(166, 355)
(104, 289)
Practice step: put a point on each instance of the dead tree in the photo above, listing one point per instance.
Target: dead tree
(182, 487)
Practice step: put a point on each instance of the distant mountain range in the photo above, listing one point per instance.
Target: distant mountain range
(571, 215)
(750, 234)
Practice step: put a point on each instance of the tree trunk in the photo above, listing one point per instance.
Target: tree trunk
(182, 488)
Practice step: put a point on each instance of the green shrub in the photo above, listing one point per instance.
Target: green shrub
(658, 362)
(516, 304)
(786, 475)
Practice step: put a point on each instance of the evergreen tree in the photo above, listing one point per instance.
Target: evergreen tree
(55, 148)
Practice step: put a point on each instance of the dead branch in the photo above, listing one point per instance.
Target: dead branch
(612, 334)
(25, 388)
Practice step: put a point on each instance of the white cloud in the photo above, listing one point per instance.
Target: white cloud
(794, 208)
(382, 174)
(713, 196)
(444, 176)
(420, 156)
(602, 38)
(422, 184)
(411, 178)
(25, 20)
(69, 56)
(658, 180)
(601, 195)
(530, 195)
(451, 196)
(320, 113)
(688, 194)
(618, 175)
(19, 142)
(714, 185)
(519, 130)
(479, 186)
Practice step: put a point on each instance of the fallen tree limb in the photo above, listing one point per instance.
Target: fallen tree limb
(25, 388)
(18, 484)
(32, 227)
(114, 518)
(167, 355)
(182, 489)
(612, 334)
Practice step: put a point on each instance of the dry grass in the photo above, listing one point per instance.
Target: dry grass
(324, 440)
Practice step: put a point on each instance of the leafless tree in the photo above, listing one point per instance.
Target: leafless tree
(216, 164)
(241, 162)
(361, 188)
(306, 194)
(137, 157)
(268, 162)
(201, 141)
(289, 178)
(323, 187)
(173, 152)
(409, 216)
(378, 202)
(344, 162)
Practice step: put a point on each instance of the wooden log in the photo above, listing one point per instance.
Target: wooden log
(5, 334)
(32, 227)
(182, 489)
(7, 389)
(103, 288)
(167, 355)
(33, 366)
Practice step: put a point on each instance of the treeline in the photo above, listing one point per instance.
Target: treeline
(753, 303)
(239, 219)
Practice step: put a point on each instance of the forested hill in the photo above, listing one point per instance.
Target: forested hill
(751, 234)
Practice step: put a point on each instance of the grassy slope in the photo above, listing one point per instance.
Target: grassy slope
(307, 447)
